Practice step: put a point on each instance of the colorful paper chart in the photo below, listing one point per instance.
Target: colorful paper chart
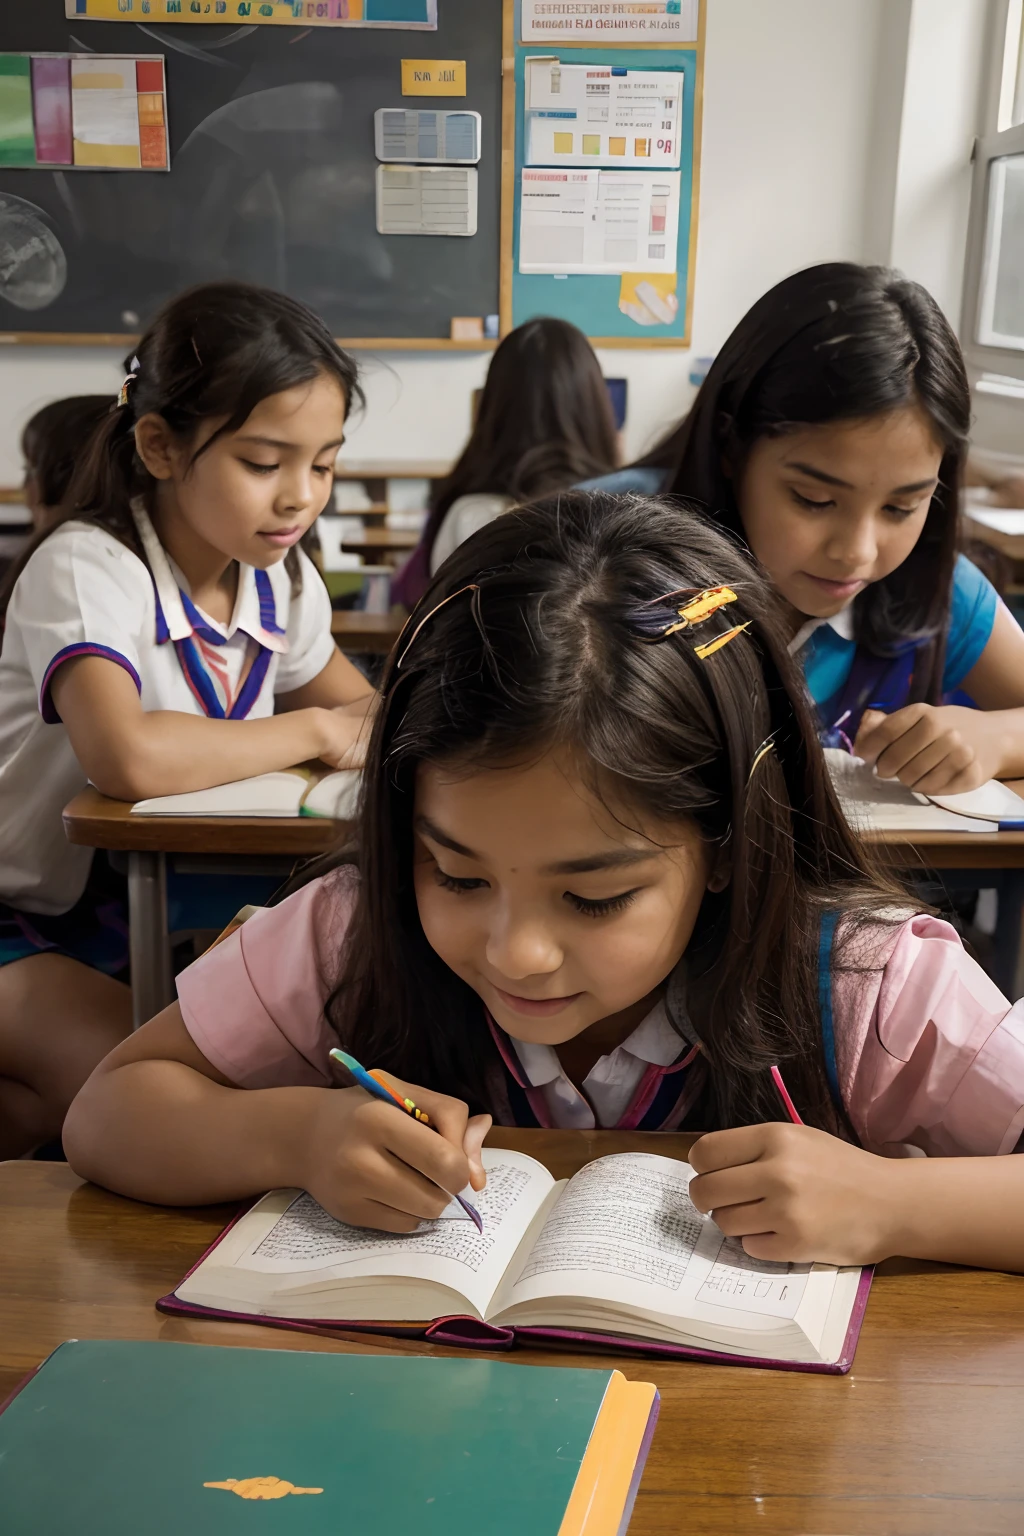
(411, 15)
(83, 111)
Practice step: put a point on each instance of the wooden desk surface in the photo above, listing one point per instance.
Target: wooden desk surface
(1009, 544)
(95, 821)
(923, 1437)
(356, 631)
(374, 540)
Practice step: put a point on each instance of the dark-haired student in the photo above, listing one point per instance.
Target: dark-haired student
(544, 422)
(830, 436)
(164, 633)
(52, 443)
(603, 880)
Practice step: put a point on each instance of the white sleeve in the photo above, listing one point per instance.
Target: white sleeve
(464, 518)
(82, 594)
(310, 642)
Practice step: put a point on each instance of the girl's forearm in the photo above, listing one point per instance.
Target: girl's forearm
(168, 753)
(1008, 724)
(959, 1210)
(171, 1136)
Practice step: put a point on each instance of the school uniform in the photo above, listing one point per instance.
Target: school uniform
(84, 593)
(921, 1048)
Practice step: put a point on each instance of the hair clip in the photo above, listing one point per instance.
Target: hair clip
(700, 608)
(130, 378)
(768, 745)
(471, 587)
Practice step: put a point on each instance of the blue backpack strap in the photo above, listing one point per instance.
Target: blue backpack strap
(826, 936)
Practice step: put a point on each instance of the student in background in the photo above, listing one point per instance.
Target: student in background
(52, 443)
(544, 422)
(603, 880)
(163, 633)
(830, 436)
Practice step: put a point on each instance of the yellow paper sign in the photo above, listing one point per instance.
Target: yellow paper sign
(433, 77)
(649, 298)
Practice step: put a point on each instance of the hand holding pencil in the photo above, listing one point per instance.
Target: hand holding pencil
(372, 1166)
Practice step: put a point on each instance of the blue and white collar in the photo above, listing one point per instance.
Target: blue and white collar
(178, 618)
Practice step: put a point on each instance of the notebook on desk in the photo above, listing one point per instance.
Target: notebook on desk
(293, 792)
(157, 1439)
(872, 804)
(617, 1257)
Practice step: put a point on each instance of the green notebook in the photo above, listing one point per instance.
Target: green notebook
(140, 1439)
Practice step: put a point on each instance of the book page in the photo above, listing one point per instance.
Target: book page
(625, 1230)
(304, 1241)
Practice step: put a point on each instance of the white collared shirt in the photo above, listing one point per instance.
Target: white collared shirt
(84, 593)
(611, 1083)
(841, 622)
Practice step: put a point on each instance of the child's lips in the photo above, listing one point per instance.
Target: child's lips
(535, 1007)
(283, 538)
(839, 589)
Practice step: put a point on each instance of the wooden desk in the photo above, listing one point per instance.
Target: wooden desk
(377, 541)
(922, 1438)
(376, 632)
(1009, 544)
(94, 821)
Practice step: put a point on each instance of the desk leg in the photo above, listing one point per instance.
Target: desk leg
(152, 983)
(1009, 957)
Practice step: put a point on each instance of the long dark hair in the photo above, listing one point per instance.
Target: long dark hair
(216, 350)
(545, 421)
(52, 442)
(534, 637)
(839, 342)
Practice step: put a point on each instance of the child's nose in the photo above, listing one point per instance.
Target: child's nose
(854, 543)
(523, 946)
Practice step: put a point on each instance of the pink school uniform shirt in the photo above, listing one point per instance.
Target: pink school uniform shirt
(930, 1053)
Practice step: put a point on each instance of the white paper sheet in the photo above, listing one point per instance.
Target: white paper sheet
(585, 114)
(598, 221)
(106, 114)
(609, 21)
(404, 134)
(426, 200)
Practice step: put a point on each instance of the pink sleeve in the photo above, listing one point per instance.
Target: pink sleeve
(254, 1005)
(930, 1054)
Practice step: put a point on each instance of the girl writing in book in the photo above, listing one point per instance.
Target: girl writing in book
(830, 436)
(164, 633)
(544, 421)
(602, 880)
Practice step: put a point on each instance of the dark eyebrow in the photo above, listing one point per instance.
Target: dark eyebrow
(274, 442)
(819, 474)
(615, 858)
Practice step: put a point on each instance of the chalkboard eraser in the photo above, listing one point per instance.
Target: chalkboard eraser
(467, 328)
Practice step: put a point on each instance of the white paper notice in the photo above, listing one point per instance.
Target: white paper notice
(426, 200)
(610, 21)
(405, 133)
(105, 112)
(598, 221)
(587, 114)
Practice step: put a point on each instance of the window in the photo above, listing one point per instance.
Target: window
(993, 312)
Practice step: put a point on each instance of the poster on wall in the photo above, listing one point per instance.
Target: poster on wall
(609, 21)
(586, 114)
(406, 15)
(605, 222)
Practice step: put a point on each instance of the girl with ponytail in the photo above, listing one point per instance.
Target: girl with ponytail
(163, 633)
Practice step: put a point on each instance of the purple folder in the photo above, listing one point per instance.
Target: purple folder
(51, 109)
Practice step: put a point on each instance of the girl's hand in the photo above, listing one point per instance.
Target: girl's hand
(372, 1166)
(797, 1195)
(343, 737)
(936, 750)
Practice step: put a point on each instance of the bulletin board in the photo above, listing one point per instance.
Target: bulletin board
(590, 301)
(271, 180)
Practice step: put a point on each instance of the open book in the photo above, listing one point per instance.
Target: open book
(617, 1254)
(872, 804)
(294, 792)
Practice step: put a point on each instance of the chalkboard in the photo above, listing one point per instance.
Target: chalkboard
(272, 180)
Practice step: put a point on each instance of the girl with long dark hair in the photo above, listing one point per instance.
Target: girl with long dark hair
(544, 422)
(830, 437)
(601, 879)
(164, 633)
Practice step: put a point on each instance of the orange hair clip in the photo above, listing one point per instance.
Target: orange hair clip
(702, 607)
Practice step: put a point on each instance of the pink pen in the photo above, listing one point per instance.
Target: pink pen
(791, 1110)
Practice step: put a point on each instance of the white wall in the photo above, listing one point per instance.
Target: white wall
(800, 137)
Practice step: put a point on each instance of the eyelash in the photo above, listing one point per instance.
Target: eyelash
(584, 907)
(269, 469)
(900, 513)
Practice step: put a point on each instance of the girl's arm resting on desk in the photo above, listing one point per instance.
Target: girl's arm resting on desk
(948, 749)
(797, 1194)
(132, 753)
(158, 1122)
